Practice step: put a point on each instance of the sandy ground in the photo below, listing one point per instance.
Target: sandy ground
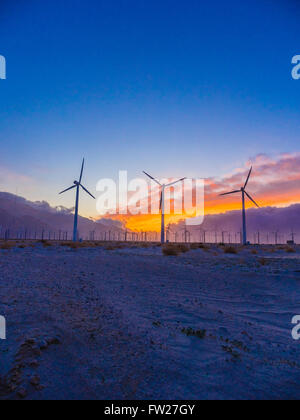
(134, 324)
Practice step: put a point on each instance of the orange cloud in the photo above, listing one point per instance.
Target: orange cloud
(274, 182)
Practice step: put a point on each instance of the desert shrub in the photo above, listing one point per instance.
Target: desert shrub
(195, 333)
(86, 244)
(263, 261)
(6, 246)
(199, 246)
(171, 250)
(109, 248)
(290, 250)
(74, 245)
(113, 247)
(144, 245)
(230, 250)
(183, 248)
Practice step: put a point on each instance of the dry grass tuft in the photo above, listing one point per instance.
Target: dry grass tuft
(230, 250)
(194, 333)
(46, 244)
(171, 250)
(113, 247)
(281, 248)
(7, 245)
(144, 245)
(175, 249)
(263, 261)
(78, 245)
(199, 246)
(290, 250)
(183, 248)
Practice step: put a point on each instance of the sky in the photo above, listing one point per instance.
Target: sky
(177, 88)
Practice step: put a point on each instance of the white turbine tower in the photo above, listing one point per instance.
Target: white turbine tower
(162, 202)
(243, 191)
(77, 185)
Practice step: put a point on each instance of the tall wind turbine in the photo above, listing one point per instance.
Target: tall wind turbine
(77, 185)
(162, 202)
(244, 192)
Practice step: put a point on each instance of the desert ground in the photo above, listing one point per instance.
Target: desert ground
(115, 321)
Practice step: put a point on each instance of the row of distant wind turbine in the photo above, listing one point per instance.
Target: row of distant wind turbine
(78, 184)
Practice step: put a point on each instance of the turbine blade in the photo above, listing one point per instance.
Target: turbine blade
(81, 173)
(74, 186)
(232, 192)
(175, 182)
(87, 192)
(151, 177)
(249, 196)
(246, 183)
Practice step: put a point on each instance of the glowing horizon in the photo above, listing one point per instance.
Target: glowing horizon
(274, 183)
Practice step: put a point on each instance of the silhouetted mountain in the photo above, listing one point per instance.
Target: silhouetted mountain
(266, 221)
(19, 215)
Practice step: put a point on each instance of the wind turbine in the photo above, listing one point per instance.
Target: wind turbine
(77, 185)
(244, 192)
(162, 202)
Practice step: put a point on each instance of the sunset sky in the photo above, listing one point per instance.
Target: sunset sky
(176, 88)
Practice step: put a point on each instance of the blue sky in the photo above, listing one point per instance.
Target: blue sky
(178, 88)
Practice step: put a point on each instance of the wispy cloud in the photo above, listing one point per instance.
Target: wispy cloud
(275, 181)
(13, 181)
